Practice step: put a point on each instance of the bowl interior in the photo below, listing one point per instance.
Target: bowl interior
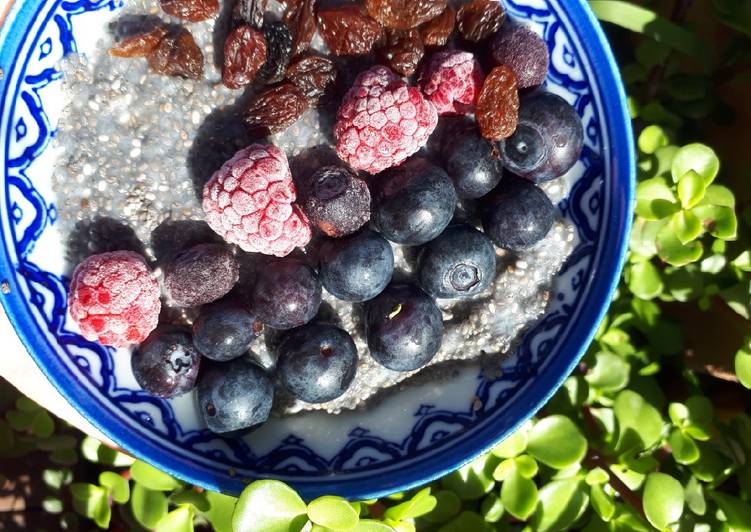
(411, 436)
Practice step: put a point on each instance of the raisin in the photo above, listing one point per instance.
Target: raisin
(244, 53)
(191, 10)
(314, 75)
(436, 32)
(498, 105)
(276, 108)
(404, 14)
(177, 55)
(402, 51)
(278, 49)
(139, 45)
(348, 30)
(479, 19)
(249, 12)
(300, 17)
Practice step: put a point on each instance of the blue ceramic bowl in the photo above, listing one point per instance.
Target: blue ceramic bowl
(410, 438)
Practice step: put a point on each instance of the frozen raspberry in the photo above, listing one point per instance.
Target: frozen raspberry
(114, 299)
(382, 121)
(451, 81)
(249, 202)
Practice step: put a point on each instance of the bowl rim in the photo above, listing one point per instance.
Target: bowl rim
(616, 120)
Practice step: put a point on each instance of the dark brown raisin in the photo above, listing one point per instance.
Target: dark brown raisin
(314, 75)
(300, 18)
(244, 53)
(479, 19)
(191, 10)
(436, 32)
(139, 45)
(278, 50)
(498, 105)
(276, 108)
(249, 12)
(404, 14)
(402, 51)
(177, 55)
(348, 30)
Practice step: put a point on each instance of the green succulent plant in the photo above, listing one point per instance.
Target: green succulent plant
(634, 440)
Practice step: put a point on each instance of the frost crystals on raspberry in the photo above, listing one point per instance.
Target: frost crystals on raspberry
(452, 81)
(250, 202)
(114, 298)
(382, 121)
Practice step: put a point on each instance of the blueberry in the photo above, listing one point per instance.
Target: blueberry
(472, 162)
(317, 362)
(358, 267)
(413, 203)
(234, 396)
(166, 363)
(336, 201)
(548, 140)
(517, 215)
(224, 331)
(201, 274)
(524, 52)
(458, 264)
(287, 294)
(404, 328)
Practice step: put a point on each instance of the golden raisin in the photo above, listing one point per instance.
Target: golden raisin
(404, 14)
(177, 55)
(479, 19)
(244, 53)
(436, 32)
(139, 45)
(249, 12)
(402, 51)
(191, 10)
(313, 74)
(348, 30)
(300, 18)
(498, 105)
(276, 108)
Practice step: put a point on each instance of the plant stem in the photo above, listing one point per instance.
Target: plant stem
(593, 459)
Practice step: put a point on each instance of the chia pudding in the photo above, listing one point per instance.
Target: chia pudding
(135, 150)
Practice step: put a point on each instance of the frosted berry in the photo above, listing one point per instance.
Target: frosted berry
(114, 299)
(382, 121)
(524, 52)
(201, 274)
(337, 202)
(451, 81)
(249, 202)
